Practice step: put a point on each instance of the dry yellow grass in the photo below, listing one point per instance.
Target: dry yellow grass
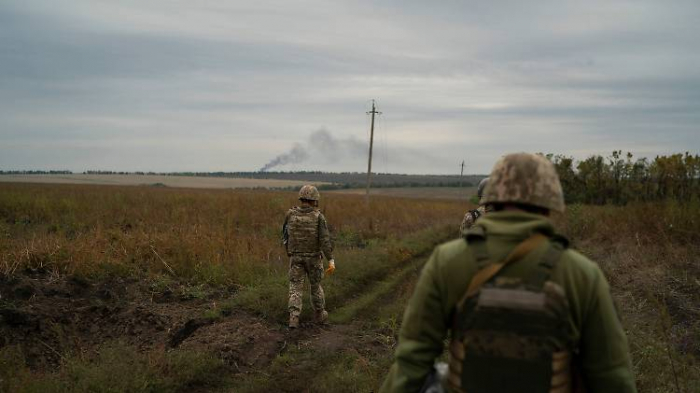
(204, 234)
(457, 193)
(649, 255)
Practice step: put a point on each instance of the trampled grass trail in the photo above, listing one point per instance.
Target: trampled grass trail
(380, 292)
(351, 354)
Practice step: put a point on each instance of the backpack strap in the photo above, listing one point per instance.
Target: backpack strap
(488, 271)
(549, 260)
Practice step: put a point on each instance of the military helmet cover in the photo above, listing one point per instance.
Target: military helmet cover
(309, 193)
(525, 178)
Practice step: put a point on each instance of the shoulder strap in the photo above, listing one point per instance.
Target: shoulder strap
(522, 249)
(544, 269)
(490, 270)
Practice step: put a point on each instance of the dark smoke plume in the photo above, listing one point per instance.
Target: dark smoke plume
(297, 155)
(321, 145)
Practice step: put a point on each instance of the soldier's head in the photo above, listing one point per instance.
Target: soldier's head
(481, 187)
(524, 181)
(309, 195)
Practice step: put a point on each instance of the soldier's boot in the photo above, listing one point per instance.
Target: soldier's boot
(322, 317)
(293, 321)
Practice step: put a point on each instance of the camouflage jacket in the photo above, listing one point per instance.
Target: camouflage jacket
(305, 231)
(596, 330)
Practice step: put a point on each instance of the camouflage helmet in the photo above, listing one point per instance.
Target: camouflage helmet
(480, 188)
(525, 178)
(309, 193)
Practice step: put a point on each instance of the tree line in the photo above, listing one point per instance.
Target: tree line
(620, 178)
(36, 172)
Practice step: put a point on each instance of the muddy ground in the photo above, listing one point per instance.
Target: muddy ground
(51, 317)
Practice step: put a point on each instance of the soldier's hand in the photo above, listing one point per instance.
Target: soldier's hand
(331, 267)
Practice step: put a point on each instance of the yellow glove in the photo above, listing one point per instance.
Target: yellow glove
(331, 267)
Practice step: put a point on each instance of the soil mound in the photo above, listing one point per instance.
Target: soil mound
(242, 341)
(50, 318)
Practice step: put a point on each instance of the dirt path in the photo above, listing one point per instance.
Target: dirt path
(349, 355)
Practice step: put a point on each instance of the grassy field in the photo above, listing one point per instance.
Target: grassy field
(454, 193)
(185, 290)
(649, 253)
(155, 180)
(211, 236)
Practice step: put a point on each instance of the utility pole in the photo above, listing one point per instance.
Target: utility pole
(461, 173)
(371, 143)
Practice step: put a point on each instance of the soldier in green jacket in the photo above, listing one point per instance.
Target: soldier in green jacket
(307, 239)
(513, 265)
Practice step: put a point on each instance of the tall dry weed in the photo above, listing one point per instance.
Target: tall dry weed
(650, 255)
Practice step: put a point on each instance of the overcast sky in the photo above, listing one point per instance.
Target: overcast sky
(235, 85)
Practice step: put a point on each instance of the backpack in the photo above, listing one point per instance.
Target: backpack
(512, 334)
(300, 231)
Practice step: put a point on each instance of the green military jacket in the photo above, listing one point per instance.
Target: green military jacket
(604, 354)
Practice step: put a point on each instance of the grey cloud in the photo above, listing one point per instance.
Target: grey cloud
(479, 74)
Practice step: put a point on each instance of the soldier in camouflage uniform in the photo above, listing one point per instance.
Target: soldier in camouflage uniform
(524, 312)
(307, 239)
(472, 215)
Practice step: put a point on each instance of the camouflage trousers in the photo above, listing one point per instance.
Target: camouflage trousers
(299, 268)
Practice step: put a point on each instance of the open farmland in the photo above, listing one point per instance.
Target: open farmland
(82, 229)
(455, 193)
(154, 180)
(185, 289)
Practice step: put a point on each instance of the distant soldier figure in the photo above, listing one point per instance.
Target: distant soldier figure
(524, 312)
(473, 215)
(307, 239)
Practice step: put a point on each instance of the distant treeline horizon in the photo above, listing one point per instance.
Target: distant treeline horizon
(616, 179)
(339, 180)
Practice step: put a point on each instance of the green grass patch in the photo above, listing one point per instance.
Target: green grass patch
(350, 311)
(352, 372)
(302, 370)
(115, 368)
(357, 270)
